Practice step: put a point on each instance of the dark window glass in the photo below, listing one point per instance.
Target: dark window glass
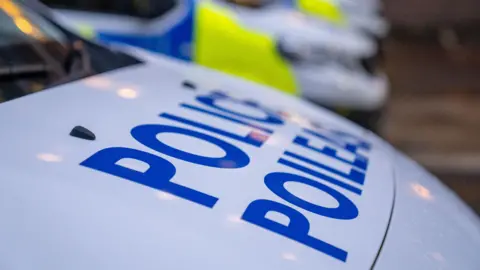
(36, 54)
(136, 8)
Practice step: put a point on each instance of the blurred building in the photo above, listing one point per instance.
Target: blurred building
(427, 13)
(433, 60)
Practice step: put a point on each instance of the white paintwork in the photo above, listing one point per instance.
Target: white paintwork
(59, 215)
(431, 227)
(90, 220)
(334, 84)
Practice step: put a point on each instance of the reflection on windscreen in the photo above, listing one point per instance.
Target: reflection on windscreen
(18, 25)
(36, 54)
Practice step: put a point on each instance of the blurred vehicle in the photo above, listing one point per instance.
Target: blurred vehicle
(328, 66)
(361, 15)
(122, 159)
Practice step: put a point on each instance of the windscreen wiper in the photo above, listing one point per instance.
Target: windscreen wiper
(77, 52)
(77, 63)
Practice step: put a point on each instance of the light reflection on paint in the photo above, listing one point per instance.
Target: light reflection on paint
(127, 93)
(297, 18)
(258, 136)
(289, 256)
(422, 191)
(98, 82)
(10, 8)
(234, 219)
(49, 157)
(22, 23)
(165, 196)
(228, 164)
(297, 119)
(437, 256)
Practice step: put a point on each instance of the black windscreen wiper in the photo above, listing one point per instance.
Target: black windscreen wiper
(77, 53)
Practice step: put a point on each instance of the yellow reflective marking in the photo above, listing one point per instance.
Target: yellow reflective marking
(223, 44)
(322, 8)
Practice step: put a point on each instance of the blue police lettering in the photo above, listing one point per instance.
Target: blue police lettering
(340, 141)
(299, 225)
(355, 141)
(211, 101)
(359, 161)
(297, 229)
(276, 183)
(161, 171)
(355, 175)
(320, 176)
(253, 138)
(157, 176)
(225, 117)
(234, 156)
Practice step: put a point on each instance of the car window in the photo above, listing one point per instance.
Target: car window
(36, 54)
(136, 8)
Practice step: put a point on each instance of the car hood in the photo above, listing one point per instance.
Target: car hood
(59, 212)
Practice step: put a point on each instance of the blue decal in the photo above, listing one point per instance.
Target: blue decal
(359, 142)
(276, 183)
(359, 161)
(253, 138)
(161, 171)
(320, 176)
(234, 157)
(222, 116)
(354, 175)
(176, 41)
(297, 229)
(333, 140)
(157, 176)
(270, 117)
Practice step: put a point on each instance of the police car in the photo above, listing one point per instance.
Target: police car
(362, 15)
(329, 66)
(128, 160)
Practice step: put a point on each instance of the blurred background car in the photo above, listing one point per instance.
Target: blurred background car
(362, 15)
(326, 64)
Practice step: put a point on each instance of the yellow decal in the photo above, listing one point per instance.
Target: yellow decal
(324, 9)
(224, 44)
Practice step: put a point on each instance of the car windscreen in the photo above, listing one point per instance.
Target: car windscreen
(36, 54)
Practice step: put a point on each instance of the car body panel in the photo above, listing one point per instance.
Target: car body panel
(431, 228)
(91, 220)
